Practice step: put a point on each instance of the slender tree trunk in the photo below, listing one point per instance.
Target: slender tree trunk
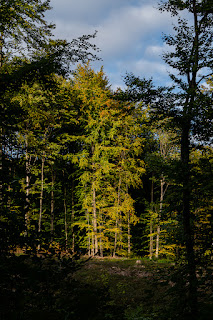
(120, 232)
(41, 199)
(129, 236)
(52, 207)
(94, 217)
(159, 217)
(65, 217)
(73, 218)
(100, 232)
(151, 221)
(27, 200)
(128, 229)
(89, 239)
(1, 131)
(117, 217)
(116, 236)
(101, 245)
(1, 50)
(94, 211)
(1, 168)
(93, 245)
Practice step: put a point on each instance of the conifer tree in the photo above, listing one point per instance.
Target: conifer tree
(109, 157)
(93, 93)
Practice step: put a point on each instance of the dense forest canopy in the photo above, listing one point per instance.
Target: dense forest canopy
(102, 172)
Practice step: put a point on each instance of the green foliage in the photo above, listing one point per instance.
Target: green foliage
(109, 159)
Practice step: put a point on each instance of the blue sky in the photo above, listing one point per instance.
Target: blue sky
(129, 34)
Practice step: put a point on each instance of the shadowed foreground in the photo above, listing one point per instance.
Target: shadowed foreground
(53, 288)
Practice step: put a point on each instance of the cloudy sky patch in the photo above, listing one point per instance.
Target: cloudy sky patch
(129, 34)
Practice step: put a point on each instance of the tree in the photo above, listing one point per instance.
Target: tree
(27, 51)
(108, 158)
(21, 21)
(29, 55)
(167, 151)
(192, 59)
(202, 204)
(126, 148)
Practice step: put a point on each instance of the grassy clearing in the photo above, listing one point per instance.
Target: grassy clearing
(121, 289)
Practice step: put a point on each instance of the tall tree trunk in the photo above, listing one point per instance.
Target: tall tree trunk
(1, 169)
(65, 217)
(116, 236)
(27, 200)
(94, 217)
(94, 233)
(128, 229)
(1, 130)
(117, 217)
(151, 221)
(186, 174)
(100, 231)
(73, 217)
(159, 217)
(101, 245)
(120, 231)
(129, 236)
(93, 245)
(52, 206)
(89, 239)
(188, 235)
(41, 200)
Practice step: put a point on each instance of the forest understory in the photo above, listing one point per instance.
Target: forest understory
(56, 288)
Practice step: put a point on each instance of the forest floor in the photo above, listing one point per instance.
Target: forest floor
(122, 289)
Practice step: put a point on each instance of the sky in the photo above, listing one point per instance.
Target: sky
(129, 35)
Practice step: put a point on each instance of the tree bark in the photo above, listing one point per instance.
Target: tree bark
(94, 217)
(151, 221)
(116, 235)
(1, 131)
(27, 200)
(186, 174)
(188, 235)
(89, 239)
(117, 218)
(100, 231)
(129, 236)
(93, 245)
(52, 207)
(1, 169)
(128, 230)
(159, 217)
(41, 200)
(65, 217)
(73, 218)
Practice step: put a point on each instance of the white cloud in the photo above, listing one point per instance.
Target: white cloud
(124, 29)
(145, 68)
(129, 33)
(156, 51)
(84, 10)
(72, 30)
(149, 67)
(119, 27)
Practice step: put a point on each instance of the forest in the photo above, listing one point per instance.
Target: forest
(94, 179)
